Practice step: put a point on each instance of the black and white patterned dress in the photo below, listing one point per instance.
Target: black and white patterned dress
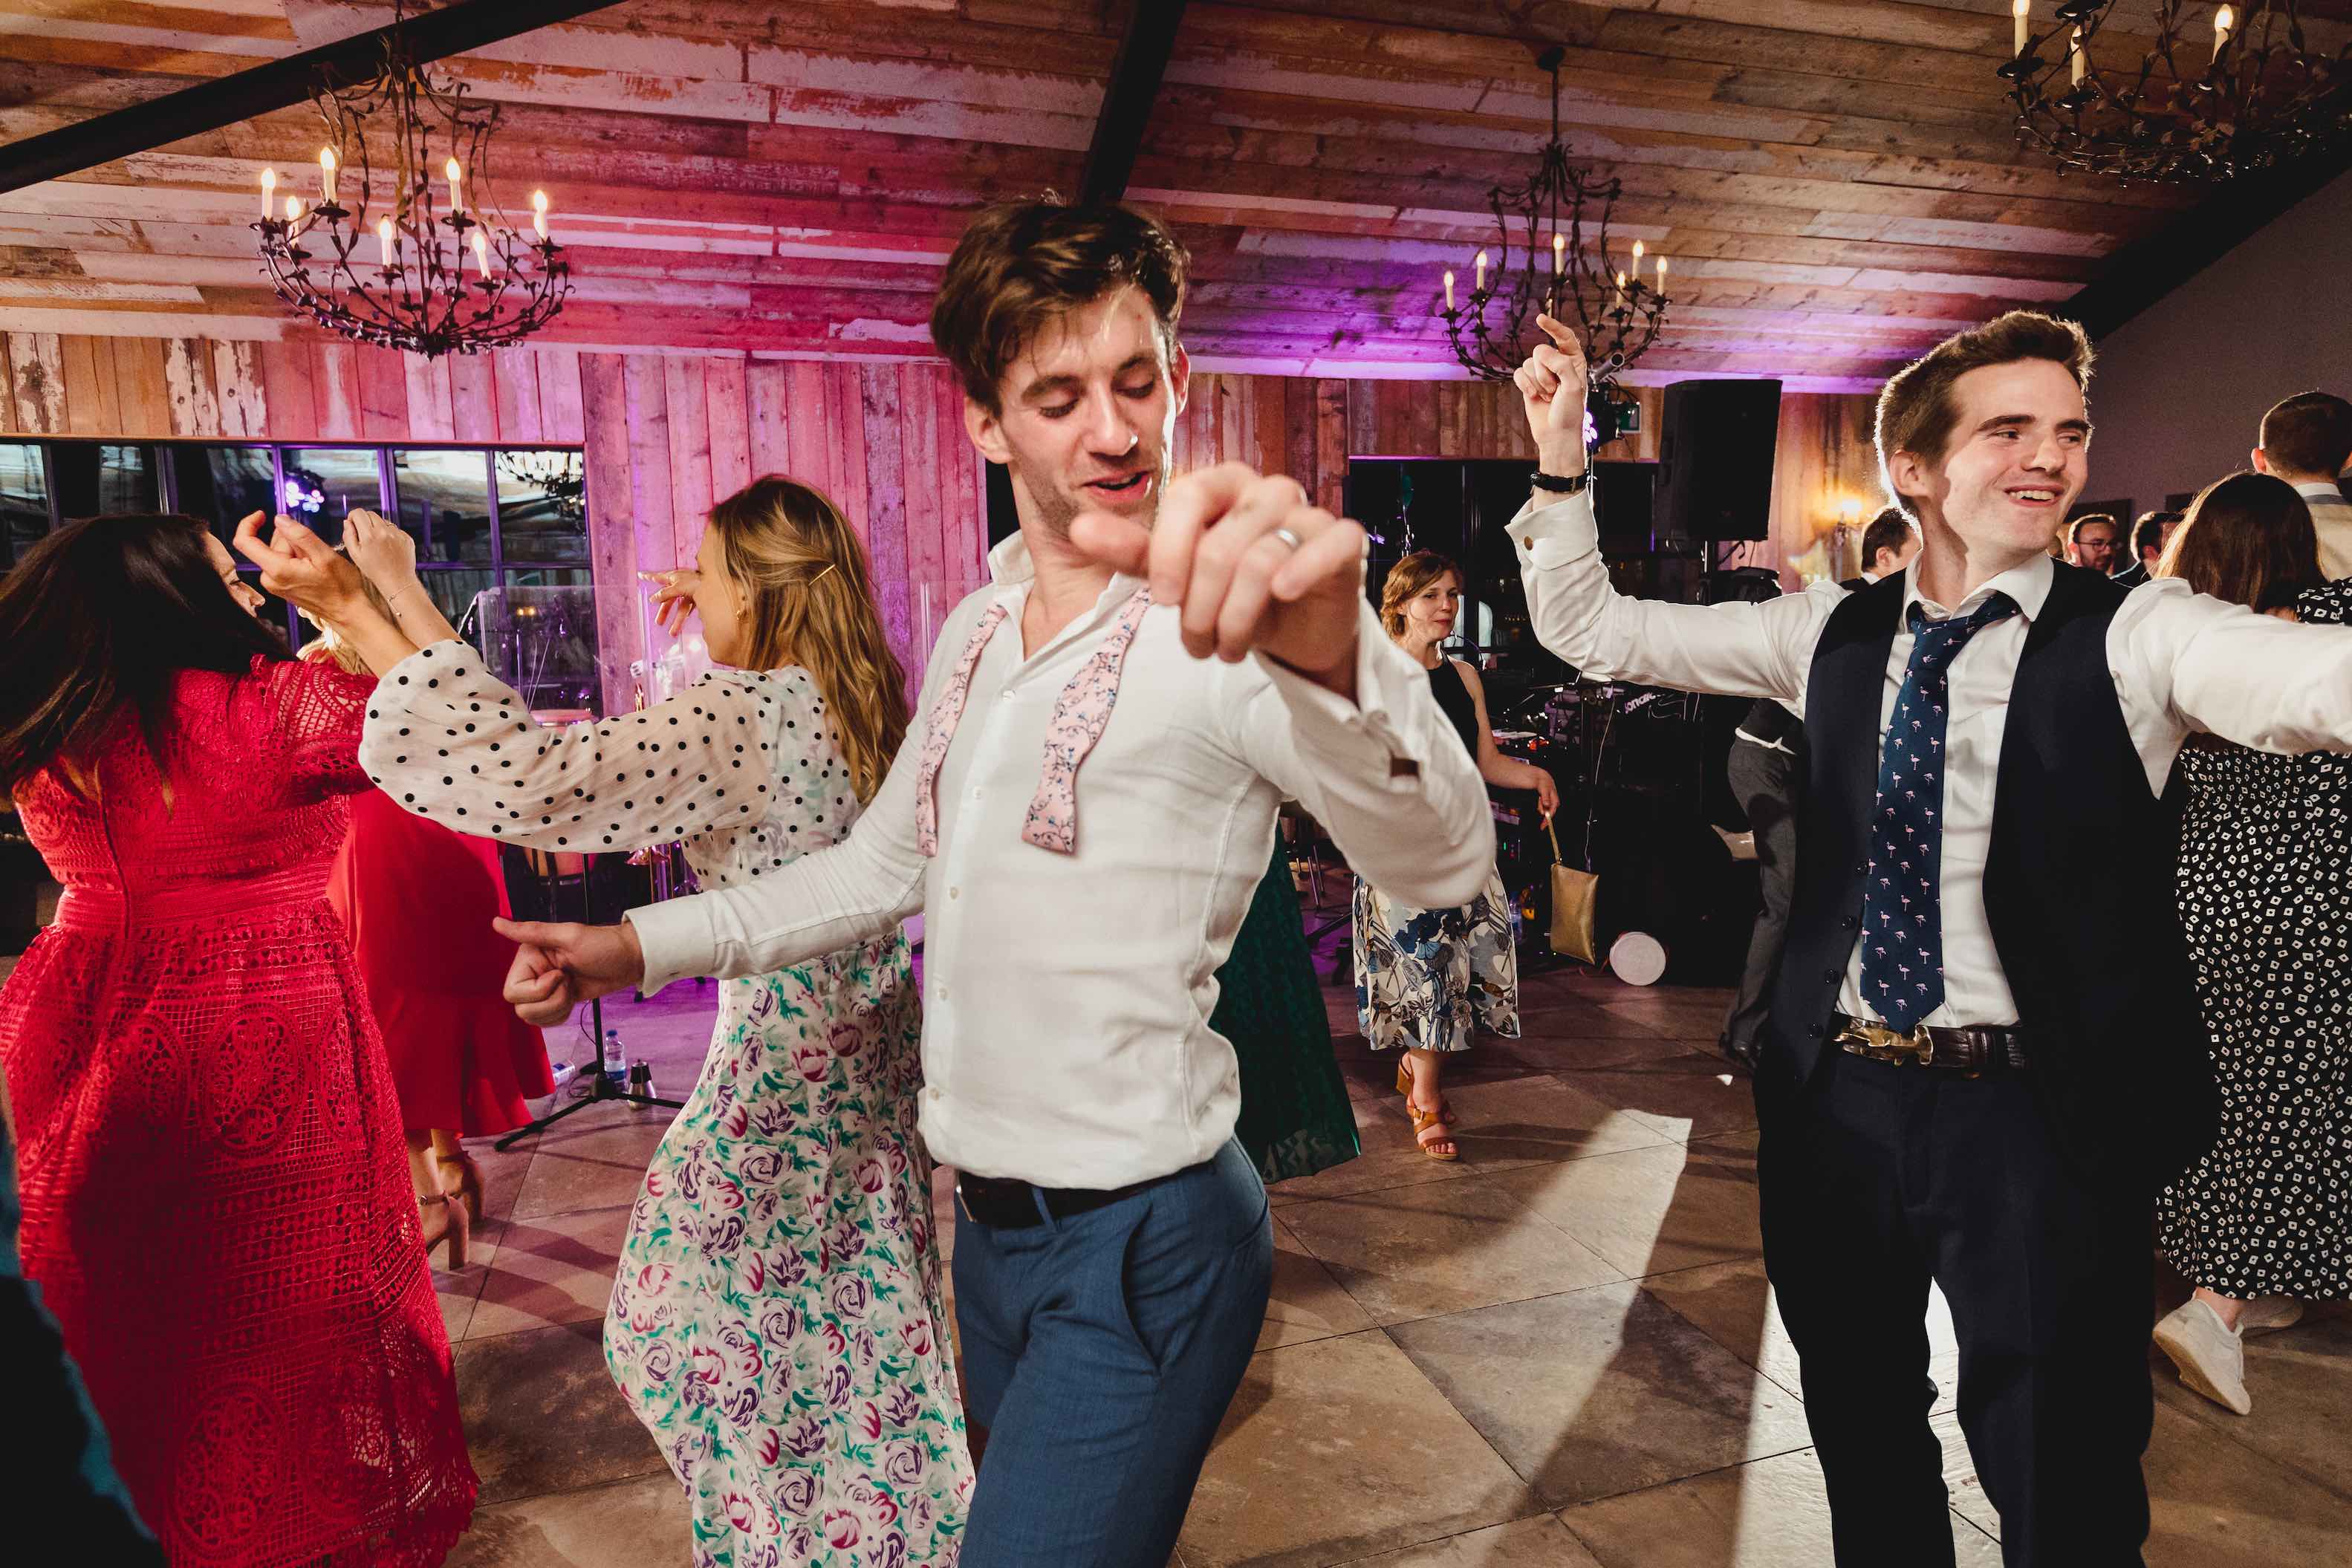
(2267, 900)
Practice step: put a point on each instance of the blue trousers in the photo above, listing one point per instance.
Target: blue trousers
(1100, 1352)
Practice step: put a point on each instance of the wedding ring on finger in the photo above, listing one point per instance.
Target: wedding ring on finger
(1288, 538)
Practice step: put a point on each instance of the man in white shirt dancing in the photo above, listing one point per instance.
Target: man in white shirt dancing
(1983, 1053)
(1082, 810)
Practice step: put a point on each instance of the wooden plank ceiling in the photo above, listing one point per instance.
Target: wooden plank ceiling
(1834, 180)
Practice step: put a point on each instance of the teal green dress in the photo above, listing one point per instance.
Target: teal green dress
(1296, 1118)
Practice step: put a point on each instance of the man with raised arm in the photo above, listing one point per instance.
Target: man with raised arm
(1983, 1053)
(1082, 809)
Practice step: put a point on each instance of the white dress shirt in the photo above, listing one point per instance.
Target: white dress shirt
(1796, 709)
(2331, 515)
(1066, 997)
(2182, 661)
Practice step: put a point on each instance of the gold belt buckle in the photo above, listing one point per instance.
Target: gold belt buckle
(1880, 1043)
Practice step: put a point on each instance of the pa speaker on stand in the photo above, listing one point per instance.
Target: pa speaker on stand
(1715, 461)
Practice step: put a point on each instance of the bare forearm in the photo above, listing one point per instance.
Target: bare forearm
(419, 616)
(379, 643)
(1511, 773)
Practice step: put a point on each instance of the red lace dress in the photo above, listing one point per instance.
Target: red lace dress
(216, 1197)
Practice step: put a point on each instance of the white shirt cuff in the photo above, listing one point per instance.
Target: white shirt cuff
(1359, 734)
(676, 940)
(1555, 534)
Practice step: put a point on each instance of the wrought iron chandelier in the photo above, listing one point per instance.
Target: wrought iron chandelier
(2223, 93)
(1557, 222)
(432, 279)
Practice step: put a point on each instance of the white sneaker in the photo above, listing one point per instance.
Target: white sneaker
(2267, 1314)
(2212, 1358)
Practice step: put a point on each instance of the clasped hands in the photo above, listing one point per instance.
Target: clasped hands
(309, 573)
(1253, 566)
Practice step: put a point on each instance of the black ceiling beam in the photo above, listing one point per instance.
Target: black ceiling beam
(278, 84)
(1135, 74)
(2144, 271)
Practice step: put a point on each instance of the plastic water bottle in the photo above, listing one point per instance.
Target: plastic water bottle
(616, 1065)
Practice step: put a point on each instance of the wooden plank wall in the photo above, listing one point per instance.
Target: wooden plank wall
(1825, 460)
(664, 435)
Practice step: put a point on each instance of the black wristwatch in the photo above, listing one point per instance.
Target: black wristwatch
(1556, 485)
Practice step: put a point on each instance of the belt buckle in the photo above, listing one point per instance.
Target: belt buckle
(1879, 1043)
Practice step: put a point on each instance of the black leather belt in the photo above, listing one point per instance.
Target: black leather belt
(1969, 1051)
(1006, 1205)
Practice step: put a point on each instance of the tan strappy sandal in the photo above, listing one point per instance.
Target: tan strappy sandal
(1424, 1126)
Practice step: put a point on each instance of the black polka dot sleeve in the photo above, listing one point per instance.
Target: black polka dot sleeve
(451, 742)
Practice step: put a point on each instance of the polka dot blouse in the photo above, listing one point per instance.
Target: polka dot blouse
(741, 768)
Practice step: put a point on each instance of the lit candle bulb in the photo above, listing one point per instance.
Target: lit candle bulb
(2223, 20)
(539, 211)
(327, 175)
(383, 236)
(293, 210)
(1478, 277)
(2075, 63)
(1449, 292)
(1637, 256)
(268, 191)
(1662, 274)
(2019, 10)
(482, 253)
(456, 187)
(1559, 249)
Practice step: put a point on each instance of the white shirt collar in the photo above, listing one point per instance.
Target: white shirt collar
(2320, 490)
(2027, 586)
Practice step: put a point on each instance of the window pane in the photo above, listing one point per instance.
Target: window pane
(24, 500)
(454, 590)
(444, 502)
(543, 507)
(222, 484)
(540, 637)
(324, 483)
(95, 478)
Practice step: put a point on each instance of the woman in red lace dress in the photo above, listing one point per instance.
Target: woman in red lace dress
(217, 1203)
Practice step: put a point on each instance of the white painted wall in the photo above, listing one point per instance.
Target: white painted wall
(2180, 389)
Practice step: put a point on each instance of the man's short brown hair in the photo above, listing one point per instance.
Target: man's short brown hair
(1891, 529)
(1021, 264)
(1915, 411)
(2310, 433)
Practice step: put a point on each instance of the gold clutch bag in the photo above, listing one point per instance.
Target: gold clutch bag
(1574, 894)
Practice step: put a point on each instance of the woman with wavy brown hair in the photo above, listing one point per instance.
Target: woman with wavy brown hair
(778, 1321)
(2257, 1225)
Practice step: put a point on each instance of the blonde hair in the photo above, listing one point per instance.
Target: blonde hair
(809, 601)
(1407, 580)
(328, 647)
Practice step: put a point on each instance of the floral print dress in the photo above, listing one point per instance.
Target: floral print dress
(777, 1321)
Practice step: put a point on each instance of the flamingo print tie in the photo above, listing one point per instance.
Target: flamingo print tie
(1902, 915)
(1080, 715)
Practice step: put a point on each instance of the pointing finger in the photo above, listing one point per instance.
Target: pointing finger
(1558, 332)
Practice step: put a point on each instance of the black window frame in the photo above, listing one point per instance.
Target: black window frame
(497, 568)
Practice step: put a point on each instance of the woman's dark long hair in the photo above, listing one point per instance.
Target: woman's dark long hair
(2247, 538)
(98, 620)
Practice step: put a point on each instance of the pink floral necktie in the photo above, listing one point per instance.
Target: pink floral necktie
(1080, 715)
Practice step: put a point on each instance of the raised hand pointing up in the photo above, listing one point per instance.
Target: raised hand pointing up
(1551, 386)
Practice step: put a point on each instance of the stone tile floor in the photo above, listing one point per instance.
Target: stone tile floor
(1558, 1352)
